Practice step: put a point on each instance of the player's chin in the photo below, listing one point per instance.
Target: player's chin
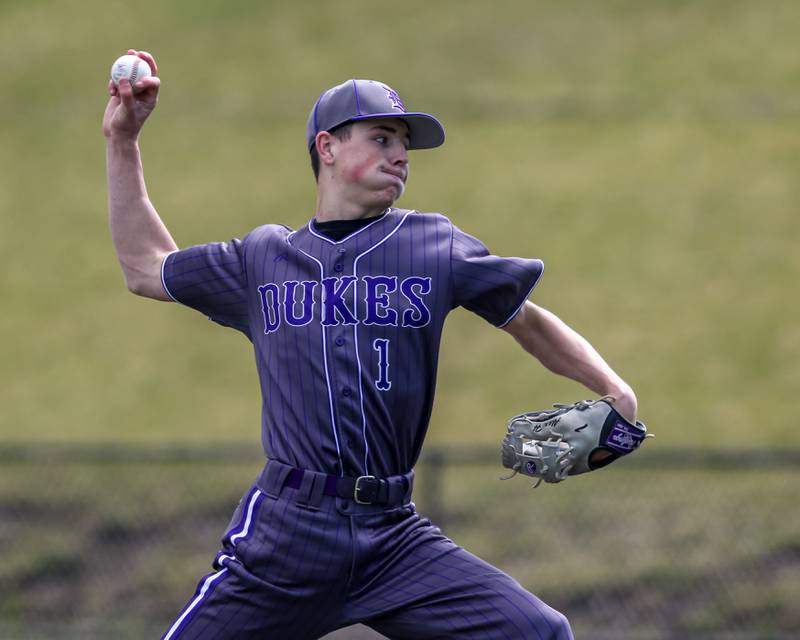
(398, 188)
(387, 197)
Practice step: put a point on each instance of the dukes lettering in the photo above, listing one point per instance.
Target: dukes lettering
(387, 301)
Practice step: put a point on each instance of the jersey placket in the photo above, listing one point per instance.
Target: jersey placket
(342, 347)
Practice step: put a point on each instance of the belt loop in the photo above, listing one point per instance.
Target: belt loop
(408, 486)
(394, 493)
(272, 478)
(305, 489)
(399, 489)
(317, 491)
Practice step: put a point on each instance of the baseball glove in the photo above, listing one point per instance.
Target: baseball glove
(569, 440)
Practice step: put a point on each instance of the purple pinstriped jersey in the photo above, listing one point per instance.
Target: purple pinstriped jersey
(346, 334)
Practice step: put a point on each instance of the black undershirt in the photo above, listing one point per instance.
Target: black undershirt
(338, 229)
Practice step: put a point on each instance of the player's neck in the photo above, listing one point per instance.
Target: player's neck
(329, 208)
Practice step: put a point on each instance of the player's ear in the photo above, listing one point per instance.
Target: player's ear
(325, 144)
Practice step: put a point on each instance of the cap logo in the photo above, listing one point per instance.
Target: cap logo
(397, 103)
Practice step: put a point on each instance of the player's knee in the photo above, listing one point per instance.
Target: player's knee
(548, 624)
(557, 624)
(524, 615)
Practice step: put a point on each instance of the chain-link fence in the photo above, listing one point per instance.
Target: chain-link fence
(109, 541)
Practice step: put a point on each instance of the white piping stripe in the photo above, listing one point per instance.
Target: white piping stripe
(164, 282)
(211, 579)
(324, 355)
(355, 340)
(524, 300)
(245, 530)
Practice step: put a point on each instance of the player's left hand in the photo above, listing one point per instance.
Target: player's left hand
(570, 440)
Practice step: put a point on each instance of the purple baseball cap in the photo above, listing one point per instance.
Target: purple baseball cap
(365, 100)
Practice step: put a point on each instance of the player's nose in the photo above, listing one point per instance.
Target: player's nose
(399, 155)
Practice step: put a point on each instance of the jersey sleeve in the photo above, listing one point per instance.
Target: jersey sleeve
(491, 286)
(212, 279)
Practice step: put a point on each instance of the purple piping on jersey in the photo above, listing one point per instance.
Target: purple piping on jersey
(324, 355)
(358, 102)
(356, 343)
(346, 238)
(206, 588)
(163, 280)
(524, 300)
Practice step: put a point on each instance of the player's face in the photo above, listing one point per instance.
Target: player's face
(373, 163)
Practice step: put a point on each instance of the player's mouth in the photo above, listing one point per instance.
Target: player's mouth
(400, 175)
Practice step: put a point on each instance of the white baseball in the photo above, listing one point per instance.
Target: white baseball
(131, 67)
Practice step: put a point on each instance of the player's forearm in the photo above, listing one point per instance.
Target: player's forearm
(140, 237)
(565, 352)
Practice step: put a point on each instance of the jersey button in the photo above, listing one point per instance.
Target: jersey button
(340, 250)
(339, 341)
(346, 392)
(338, 266)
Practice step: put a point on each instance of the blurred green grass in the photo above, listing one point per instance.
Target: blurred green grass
(666, 224)
(645, 150)
(642, 553)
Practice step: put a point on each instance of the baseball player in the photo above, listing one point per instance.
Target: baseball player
(345, 316)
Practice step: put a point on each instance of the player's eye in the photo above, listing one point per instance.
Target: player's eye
(381, 139)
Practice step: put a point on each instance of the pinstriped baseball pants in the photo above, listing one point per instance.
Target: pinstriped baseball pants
(293, 567)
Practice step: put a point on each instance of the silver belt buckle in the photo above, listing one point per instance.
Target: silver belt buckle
(370, 489)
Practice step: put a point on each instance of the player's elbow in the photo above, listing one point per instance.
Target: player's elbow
(145, 287)
(143, 277)
(135, 286)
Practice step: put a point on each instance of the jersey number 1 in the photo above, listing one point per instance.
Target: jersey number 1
(381, 345)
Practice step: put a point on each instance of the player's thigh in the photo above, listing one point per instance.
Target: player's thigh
(450, 593)
(230, 604)
(275, 574)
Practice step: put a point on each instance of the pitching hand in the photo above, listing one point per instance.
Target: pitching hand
(127, 111)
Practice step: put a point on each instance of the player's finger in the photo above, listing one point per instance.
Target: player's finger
(113, 103)
(126, 93)
(150, 85)
(112, 88)
(150, 60)
(147, 57)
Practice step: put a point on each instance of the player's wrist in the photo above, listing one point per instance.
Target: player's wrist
(122, 140)
(625, 401)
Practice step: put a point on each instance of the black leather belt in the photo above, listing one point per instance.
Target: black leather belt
(364, 489)
(368, 489)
